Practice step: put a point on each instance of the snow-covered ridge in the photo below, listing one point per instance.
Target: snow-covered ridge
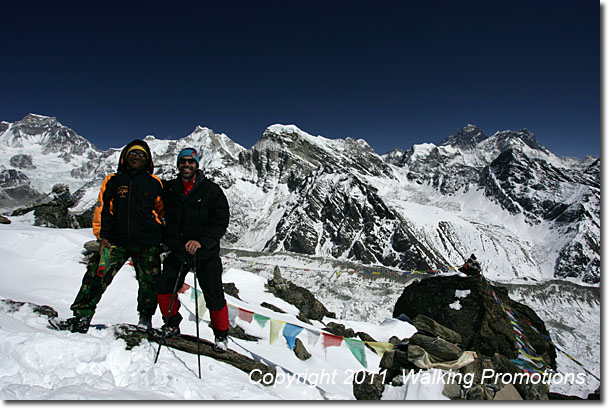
(529, 215)
(37, 363)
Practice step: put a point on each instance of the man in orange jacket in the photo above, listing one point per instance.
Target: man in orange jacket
(127, 222)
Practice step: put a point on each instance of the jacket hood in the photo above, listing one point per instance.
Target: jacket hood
(149, 167)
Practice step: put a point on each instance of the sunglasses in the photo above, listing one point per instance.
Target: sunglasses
(187, 160)
(138, 154)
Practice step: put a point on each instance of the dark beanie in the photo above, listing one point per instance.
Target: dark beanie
(189, 152)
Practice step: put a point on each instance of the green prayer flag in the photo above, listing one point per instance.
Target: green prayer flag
(261, 319)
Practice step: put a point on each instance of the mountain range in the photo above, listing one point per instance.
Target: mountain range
(528, 215)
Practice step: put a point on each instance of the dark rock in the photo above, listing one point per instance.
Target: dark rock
(367, 386)
(339, 330)
(22, 161)
(13, 306)
(239, 333)
(300, 351)
(54, 216)
(477, 367)
(394, 360)
(508, 392)
(231, 289)
(452, 390)
(414, 352)
(277, 274)
(428, 326)
(479, 392)
(4, 220)
(85, 218)
(189, 344)
(16, 190)
(394, 340)
(330, 214)
(301, 316)
(309, 306)
(272, 307)
(481, 321)
(527, 389)
(437, 347)
(365, 337)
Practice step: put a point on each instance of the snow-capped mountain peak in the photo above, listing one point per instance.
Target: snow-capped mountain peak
(467, 138)
(338, 198)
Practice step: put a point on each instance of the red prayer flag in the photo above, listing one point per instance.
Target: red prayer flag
(245, 315)
(331, 340)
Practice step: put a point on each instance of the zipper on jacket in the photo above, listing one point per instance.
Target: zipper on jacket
(129, 211)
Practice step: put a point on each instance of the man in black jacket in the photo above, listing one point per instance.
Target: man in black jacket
(196, 217)
(127, 222)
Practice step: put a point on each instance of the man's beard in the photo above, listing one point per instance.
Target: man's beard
(188, 174)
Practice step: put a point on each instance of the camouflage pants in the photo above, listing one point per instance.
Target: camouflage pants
(147, 265)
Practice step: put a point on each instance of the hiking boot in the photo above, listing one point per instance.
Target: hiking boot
(220, 344)
(145, 323)
(77, 324)
(170, 331)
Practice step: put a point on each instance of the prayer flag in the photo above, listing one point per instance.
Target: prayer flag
(357, 348)
(291, 332)
(381, 347)
(232, 314)
(260, 319)
(245, 315)
(274, 332)
(331, 340)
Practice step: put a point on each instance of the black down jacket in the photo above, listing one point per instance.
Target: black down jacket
(202, 215)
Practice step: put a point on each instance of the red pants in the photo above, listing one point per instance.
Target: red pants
(209, 276)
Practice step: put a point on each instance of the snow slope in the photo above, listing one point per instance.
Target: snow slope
(41, 265)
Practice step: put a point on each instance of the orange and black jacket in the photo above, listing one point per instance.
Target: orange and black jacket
(129, 208)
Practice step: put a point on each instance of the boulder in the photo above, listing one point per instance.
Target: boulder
(479, 392)
(4, 220)
(339, 330)
(527, 390)
(272, 307)
(426, 325)
(437, 347)
(479, 319)
(508, 392)
(309, 306)
(367, 386)
(452, 390)
(395, 360)
(300, 351)
(230, 289)
(477, 368)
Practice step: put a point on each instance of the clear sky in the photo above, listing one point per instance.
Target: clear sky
(395, 73)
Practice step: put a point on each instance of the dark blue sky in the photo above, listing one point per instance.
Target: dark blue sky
(395, 73)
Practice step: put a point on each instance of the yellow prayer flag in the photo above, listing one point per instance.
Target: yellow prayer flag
(201, 304)
(381, 347)
(275, 329)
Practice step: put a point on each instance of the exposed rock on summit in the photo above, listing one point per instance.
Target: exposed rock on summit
(465, 305)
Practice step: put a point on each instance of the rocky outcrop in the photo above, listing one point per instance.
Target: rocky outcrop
(464, 327)
(310, 308)
(22, 161)
(16, 189)
(466, 306)
(346, 217)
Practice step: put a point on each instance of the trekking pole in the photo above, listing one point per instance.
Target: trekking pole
(197, 317)
(171, 304)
